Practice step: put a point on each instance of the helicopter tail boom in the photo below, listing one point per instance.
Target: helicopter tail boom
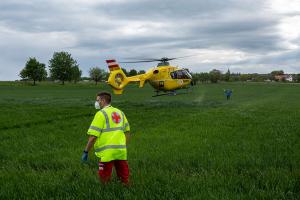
(118, 80)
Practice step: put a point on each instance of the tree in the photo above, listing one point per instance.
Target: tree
(132, 72)
(195, 78)
(142, 72)
(75, 74)
(34, 70)
(298, 78)
(204, 77)
(276, 73)
(85, 78)
(245, 77)
(61, 66)
(227, 76)
(125, 71)
(215, 75)
(97, 74)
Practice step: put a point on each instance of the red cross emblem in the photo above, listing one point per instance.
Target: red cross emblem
(116, 117)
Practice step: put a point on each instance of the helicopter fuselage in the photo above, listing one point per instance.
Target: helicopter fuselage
(163, 77)
(168, 78)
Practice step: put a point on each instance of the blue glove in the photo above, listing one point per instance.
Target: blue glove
(84, 156)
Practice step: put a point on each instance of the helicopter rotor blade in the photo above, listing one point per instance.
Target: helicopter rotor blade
(139, 61)
(163, 59)
(139, 58)
(186, 56)
(152, 60)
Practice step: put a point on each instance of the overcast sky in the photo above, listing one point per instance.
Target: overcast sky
(243, 35)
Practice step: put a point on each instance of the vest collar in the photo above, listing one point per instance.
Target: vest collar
(106, 106)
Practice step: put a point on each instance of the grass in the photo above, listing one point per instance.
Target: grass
(193, 146)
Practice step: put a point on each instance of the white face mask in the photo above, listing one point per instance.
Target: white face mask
(97, 106)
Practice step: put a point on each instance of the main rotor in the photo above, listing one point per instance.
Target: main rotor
(162, 61)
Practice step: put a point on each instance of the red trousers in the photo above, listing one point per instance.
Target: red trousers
(121, 166)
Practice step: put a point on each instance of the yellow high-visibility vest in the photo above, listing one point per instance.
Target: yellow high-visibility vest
(108, 126)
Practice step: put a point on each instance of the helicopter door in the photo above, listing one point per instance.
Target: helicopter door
(161, 84)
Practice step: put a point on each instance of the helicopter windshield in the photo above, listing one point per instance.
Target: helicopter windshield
(181, 74)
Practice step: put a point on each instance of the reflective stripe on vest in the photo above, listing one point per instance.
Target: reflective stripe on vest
(95, 128)
(112, 129)
(106, 118)
(110, 147)
(106, 129)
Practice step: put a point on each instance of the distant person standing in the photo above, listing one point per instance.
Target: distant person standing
(228, 93)
(109, 133)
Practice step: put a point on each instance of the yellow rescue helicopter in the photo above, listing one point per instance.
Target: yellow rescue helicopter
(163, 78)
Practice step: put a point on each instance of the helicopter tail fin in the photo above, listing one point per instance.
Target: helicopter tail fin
(117, 78)
(113, 65)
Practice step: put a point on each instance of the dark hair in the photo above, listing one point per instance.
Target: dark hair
(105, 95)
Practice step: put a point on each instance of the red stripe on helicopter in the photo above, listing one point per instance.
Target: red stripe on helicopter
(113, 66)
(110, 61)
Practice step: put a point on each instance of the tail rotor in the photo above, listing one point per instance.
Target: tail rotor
(117, 78)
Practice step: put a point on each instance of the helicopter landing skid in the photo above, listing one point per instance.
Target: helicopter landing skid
(174, 93)
(164, 94)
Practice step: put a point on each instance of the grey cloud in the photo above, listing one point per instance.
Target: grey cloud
(285, 58)
(184, 26)
(170, 10)
(289, 61)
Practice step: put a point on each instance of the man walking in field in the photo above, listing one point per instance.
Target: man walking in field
(228, 93)
(109, 133)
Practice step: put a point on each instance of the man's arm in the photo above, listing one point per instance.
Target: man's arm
(127, 134)
(91, 142)
(88, 147)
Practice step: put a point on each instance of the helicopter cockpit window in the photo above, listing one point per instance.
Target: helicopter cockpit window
(180, 74)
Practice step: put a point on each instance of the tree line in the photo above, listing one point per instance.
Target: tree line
(215, 76)
(63, 67)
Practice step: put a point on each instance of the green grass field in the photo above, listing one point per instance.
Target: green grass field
(192, 146)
